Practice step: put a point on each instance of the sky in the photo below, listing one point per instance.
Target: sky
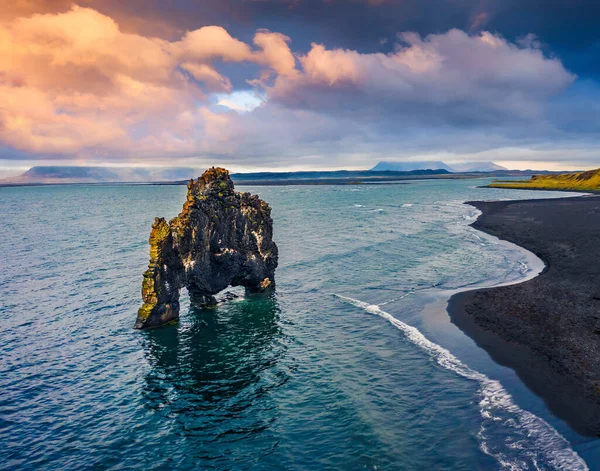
(299, 84)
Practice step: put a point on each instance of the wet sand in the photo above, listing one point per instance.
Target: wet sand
(548, 328)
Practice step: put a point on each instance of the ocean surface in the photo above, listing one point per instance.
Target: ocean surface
(352, 364)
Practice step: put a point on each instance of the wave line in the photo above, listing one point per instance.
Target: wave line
(529, 433)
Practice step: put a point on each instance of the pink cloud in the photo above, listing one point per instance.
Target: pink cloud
(75, 84)
(485, 72)
(479, 20)
(84, 84)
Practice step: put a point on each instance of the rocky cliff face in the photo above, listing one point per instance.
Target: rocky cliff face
(221, 238)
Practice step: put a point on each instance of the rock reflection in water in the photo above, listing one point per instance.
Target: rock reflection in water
(213, 375)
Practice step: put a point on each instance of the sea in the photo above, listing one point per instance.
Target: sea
(351, 364)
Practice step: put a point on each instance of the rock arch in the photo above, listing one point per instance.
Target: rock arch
(221, 238)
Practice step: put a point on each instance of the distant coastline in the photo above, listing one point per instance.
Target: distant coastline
(516, 187)
(343, 177)
(548, 328)
(383, 172)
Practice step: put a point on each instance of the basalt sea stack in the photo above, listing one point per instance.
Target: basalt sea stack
(221, 238)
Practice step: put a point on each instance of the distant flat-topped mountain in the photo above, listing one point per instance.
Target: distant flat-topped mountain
(477, 167)
(435, 165)
(79, 174)
(409, 166)
(44, 175)
(73, 174)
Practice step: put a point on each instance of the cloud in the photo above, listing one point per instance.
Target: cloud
(480, 16)
(276, 53)
(479, 20)
(206, 74)
(75, 85)
(74, 82)
(457, 76)
(78, 82)
(210, 43)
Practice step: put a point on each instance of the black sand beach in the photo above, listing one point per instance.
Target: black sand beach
(548, 328)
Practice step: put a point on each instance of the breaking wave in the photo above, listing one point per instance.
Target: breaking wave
(529, 442)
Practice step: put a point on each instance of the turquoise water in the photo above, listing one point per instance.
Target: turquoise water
(352, 364)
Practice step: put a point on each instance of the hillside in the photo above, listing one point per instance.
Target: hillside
(581, 181)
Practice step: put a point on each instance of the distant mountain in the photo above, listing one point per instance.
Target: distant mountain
(76, 174)
(333, 177)
(41, 175)
(434, 165)
(331, 174)
(409, 166)
(477, 167)
(71, 174)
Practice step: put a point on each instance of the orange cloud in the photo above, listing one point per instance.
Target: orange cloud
(479, 20)
(479, 74)
(133, 16)
(210, 43)
(276, 53)
(73, 81)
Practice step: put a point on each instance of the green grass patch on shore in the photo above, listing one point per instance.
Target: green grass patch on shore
(582, 181)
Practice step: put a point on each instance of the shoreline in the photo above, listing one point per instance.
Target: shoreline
(540, 327)
(508, 186)
(520, 187)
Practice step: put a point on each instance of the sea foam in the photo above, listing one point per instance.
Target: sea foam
(529, 441)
